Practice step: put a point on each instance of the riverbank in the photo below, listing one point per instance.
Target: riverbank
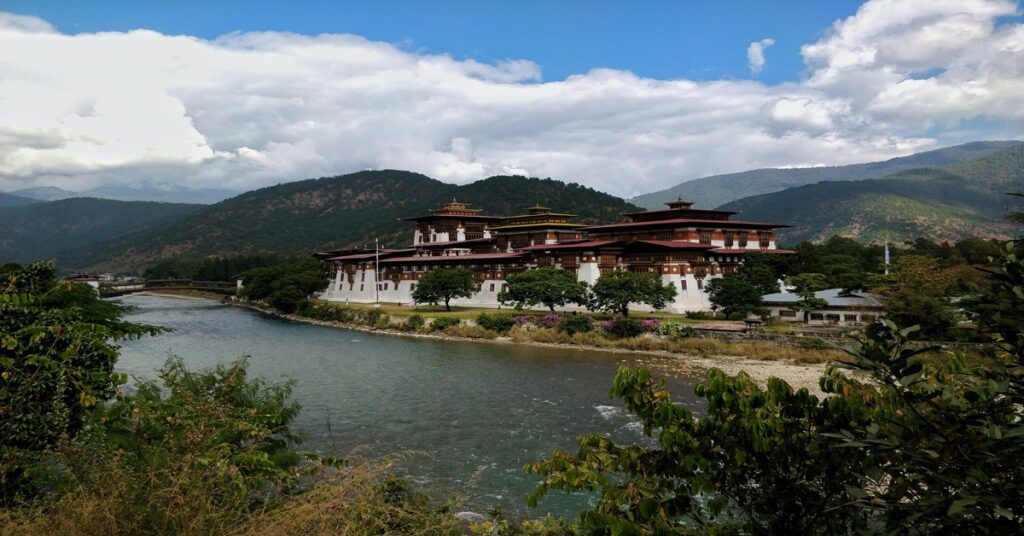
(760, 360)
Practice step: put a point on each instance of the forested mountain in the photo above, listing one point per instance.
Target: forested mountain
(944, 203)
(11, 200)
(717, 190)
(47, 230)
(334, 212)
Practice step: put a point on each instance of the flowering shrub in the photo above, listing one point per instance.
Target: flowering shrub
(524, 320)
(606, 325)
(550, 320)
(650, 324)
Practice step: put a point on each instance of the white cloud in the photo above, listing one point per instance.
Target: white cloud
(252, 109)
(755, 55)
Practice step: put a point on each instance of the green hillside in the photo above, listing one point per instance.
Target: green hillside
(334, 212)
(46, 230)
(720, 189)
(945, 203)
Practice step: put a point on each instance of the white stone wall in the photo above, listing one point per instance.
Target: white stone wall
(690, 299)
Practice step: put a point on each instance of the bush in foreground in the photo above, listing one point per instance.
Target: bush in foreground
(917, 448)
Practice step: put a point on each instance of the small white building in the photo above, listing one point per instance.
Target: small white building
(843, 309)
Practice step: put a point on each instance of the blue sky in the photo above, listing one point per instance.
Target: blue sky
(656, 39)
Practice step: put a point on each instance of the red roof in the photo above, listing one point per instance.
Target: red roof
(451, 258)
(368, 256)
(710, 210)
(740, 250)
(677, 244)
(571, 245)
(685, 221)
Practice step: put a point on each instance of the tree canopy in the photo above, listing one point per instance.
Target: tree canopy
(915, 446)
(614, 291)
(58, 346)
(734, 294)
(286, 284)
(552, 287)
(444, 285)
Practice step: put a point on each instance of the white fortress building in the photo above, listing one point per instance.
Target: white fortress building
(685, 246)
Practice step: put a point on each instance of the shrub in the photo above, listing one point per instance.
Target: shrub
(625, 327)
(524, 320)
(699, 315)
(573, 324)
(498, 322)
(675, 330)
(550, 320)
(650, 324)
(471, 332)
(414, 323)
(813, 343)
(442, 323)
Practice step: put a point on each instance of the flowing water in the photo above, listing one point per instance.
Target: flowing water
(468, 414)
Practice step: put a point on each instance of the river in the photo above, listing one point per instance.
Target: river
(469, 414)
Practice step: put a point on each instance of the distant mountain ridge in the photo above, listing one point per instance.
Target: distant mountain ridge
(942, 203)
(144, 192)
(11, 200)
(717, 190)
(45, 230)
(334, 212)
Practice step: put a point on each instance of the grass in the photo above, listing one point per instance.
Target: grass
(698, 346)
(396, 309)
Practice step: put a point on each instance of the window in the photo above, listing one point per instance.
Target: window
(362, 277)
(849, 318)
(412, 286)
(765, 240)
(867, 319)
(705, 237)
(816, 316)
(700, 284)
(786, 313)
(832, 317)
(504, 287)
(682, 284)
(743, 240)
(492, 287)
(728, 240)
(360, 288)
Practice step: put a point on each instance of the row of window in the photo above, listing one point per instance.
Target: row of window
(830, 317)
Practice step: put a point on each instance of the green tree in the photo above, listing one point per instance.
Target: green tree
(551, 287)
(762, 271)
(58, 346)
(914, 446)
(734, 294)
(285, 285)
(917, 290)
(444, 285)
(809, 281)
(614, 291)
(807, 304)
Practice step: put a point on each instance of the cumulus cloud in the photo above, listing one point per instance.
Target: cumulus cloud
(251, 109)
(755, 55)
